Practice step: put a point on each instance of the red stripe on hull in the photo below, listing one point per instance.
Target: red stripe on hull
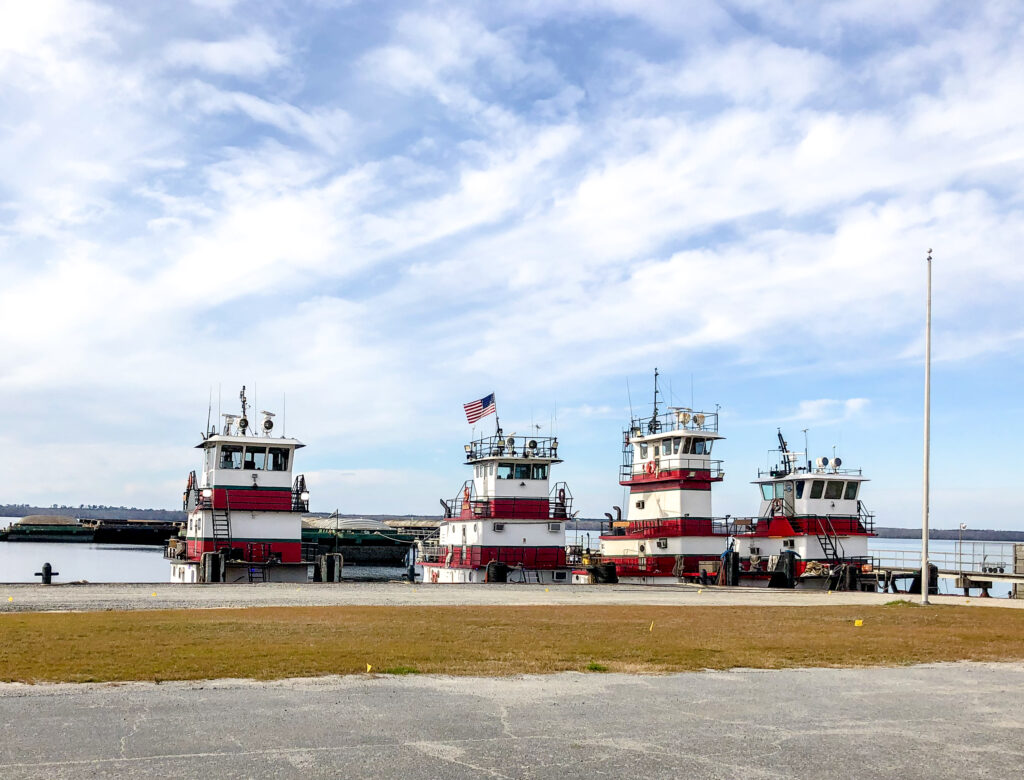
(290, 552)
(529, 557)
(676, 479)
(256, 500)
(660, 565)
(686, 526)
(780, 526)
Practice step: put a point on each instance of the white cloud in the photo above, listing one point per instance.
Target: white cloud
(250, 56)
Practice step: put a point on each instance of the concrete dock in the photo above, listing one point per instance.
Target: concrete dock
(36, 598)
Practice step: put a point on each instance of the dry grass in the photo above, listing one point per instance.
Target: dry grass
(269, 643)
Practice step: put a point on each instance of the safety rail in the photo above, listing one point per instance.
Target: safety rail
(780, 470)
(969, 557)
(300, 494)
(672, 467)
(556, 506)
(684, 526)
(680, 419)
(499, 445)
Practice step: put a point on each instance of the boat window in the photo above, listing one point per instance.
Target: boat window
(800, 489)
(255, 458)
(490, 470)
(766, 491)
(540, 470)
(657, 451)
(277, 459)
(675, 445)
(643, 450)
(505, 471)
(522, 471)
(834, 489)
(780, 489)
(816, 487)
(687, 448)
(698, 446)
(851, 490)
(707, 446)
(230, 456)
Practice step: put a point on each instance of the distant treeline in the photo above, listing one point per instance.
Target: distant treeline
(92, 512)
(582, 524)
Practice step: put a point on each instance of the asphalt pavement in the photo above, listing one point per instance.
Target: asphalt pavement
(947, 720)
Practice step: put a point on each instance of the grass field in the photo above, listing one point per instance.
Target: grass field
(277, 642)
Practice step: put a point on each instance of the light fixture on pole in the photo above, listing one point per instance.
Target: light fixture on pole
(927, 429)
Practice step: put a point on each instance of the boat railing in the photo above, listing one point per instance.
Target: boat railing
(673, 420)
(673, 467)
(512, 447)
(969, 557)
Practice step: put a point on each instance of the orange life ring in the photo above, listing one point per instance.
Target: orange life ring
(776, 504)
(650, 467)
(465, 494)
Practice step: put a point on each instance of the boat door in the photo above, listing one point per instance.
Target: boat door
(788, 501)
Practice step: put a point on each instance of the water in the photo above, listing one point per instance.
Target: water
(90, 562)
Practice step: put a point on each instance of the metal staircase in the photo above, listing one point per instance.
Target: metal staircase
(829, 541)
(221, 526)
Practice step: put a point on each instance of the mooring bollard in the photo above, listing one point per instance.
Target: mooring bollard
(47, 574)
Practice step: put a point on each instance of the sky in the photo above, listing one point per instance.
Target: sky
(372, 213)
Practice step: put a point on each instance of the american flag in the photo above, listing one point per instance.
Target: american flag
(477, 409)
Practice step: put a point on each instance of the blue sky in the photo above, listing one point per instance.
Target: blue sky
(384, 210)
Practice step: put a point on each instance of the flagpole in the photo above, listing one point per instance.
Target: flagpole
(497, 422)
(927, 431)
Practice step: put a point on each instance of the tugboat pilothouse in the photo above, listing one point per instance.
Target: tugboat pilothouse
(244, 509)
(669, 534)
(507, 523)
(814, 514)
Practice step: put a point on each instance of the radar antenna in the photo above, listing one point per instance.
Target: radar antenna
(786, 464)
(653, 426)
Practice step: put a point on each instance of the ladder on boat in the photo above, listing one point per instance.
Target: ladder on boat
(221, 526)
(829, 541)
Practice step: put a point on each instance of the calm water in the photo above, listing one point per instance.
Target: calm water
(130, 563)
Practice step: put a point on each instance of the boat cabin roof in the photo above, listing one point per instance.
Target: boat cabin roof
(267, 441)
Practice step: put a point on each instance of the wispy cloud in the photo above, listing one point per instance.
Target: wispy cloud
(250, 56)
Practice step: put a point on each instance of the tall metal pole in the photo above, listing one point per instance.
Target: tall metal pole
(927, 430)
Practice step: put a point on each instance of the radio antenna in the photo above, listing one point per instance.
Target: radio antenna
(209, 411)
(630, 399)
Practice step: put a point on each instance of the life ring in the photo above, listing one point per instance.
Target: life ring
(776, 504)
(465, 494)
(433, 576)
(561, 495)
(650, 467)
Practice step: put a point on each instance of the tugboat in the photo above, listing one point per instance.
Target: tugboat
(815, 516)
(245, 510)
(507, 523)
(669, 534)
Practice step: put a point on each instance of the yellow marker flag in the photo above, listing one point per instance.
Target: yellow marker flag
(652, 626)
(545, 590)
(10, 598)
(829, 593)
(368, 667)
(699, 591)
(154, 594)
(858, 623)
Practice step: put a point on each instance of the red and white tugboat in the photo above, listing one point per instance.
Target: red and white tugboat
(814, 513)
(244, 509)
(669, 534)
(507, 523)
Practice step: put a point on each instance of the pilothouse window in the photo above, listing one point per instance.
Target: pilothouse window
(277, 459)
(643, 451)
(834, 490)
(851, 491)
(255, 458)
(768, 492)
(522, 471)
(675, 445)
(817, 486)
(505, 470)
(540, 470)
(230, 456)
(800, 489)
